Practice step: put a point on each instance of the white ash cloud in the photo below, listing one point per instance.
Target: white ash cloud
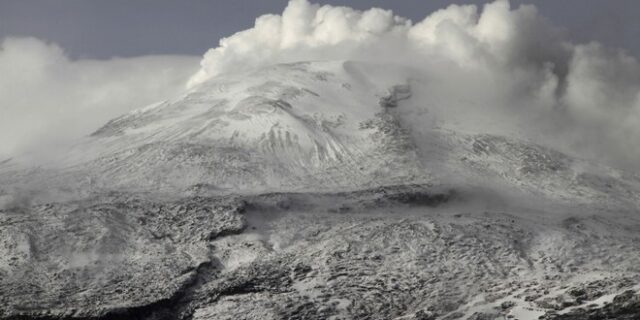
(47, 100)
(495, 67)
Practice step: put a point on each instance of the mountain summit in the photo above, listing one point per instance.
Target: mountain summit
(317, 126)
(315, 190)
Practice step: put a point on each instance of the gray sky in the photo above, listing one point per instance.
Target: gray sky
(107, 28)
(49, 96)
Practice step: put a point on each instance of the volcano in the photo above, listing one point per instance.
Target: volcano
(315, 190)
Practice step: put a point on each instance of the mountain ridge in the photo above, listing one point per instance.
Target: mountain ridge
(316, 125)
(314, 190)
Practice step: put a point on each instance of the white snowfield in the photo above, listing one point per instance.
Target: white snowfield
(315, 190)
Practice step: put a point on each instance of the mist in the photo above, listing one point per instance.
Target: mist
(491, 69)
(497, 69)
(47, 100)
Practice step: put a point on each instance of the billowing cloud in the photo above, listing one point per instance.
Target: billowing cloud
(495, 68)
(47, 100)
(305, 31)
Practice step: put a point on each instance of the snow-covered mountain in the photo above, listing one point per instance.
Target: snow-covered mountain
(315, 190)
(314, 126)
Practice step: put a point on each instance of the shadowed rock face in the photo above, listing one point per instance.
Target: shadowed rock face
(313, 191)
(97, 256)
(623, 306)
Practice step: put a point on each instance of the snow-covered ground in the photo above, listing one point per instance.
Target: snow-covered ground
(314, 190)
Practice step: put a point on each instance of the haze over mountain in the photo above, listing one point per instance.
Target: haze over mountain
(333, 163)
(582, 94)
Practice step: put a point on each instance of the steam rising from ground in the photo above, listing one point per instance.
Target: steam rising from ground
(47, 100)
(495, 68)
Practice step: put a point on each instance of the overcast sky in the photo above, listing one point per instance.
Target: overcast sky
(59, 80)
(103, 29)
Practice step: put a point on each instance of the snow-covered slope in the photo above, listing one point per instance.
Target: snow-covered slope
(295, 126)
(312, 190)
(313, 126)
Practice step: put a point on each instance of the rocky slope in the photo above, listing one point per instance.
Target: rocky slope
(320, 190)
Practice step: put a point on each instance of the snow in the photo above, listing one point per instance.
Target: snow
(524, 313)
(359, 199)
(320, 126)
